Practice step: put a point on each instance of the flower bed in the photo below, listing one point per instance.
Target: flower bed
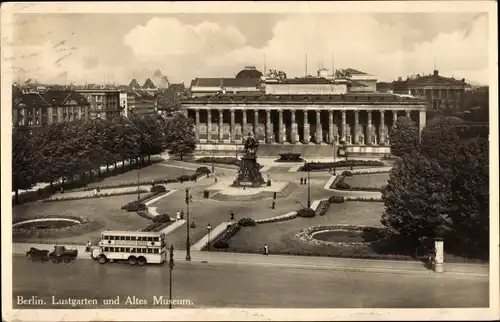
(307, 235)
(157, 226)
(86, 224)
(322, 207)
(245, 222)
(98, 195)
(312, 166)
(222, 160)
(367, 199)
(306, 213)
(284, 217)
(224, 237)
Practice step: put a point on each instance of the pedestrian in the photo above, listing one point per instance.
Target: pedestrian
(266, 249)
(62, 189)
(98, 189)
(192, 224)
(88, 245)
(232, 215)
(215, 179)
(273, 205)
(305, 180)
(178, 215)
(301, 181)
(182, 214)
(95, 192)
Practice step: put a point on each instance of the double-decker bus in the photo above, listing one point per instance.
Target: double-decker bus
(136, 247)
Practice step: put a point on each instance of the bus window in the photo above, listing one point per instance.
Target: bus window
(144, 250)
(156, 251)
(127, 238)
(127, 250)
(106, 249)
(150, 251)
(150, 238)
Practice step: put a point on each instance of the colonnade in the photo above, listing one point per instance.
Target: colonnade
(317, 130)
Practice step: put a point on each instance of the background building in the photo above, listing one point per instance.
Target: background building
(104, 103)
(440, 92)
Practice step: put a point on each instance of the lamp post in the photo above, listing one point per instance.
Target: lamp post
(171, 267)
(308, 188)
(209, 228)
(188, 242)
(334, 156)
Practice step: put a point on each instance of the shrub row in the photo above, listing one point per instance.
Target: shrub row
(221, 160)
(284, 217)
(162, 218)
(138, 205)
(290, 157)
(156, 226)
(246, 222)
(306, 213)
(336, 199)
(111, 194)
(203, 170)
(222, 241)
(311, 166)
(367, 199)
(158, 189)
(86, 225)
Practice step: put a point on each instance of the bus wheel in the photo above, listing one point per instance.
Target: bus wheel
(132, 260)
(142, 261)
(102, 259)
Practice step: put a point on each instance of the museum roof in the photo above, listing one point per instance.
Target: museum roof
(225, 82)
(350, 98)
(430, 80)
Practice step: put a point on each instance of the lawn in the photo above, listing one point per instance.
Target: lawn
(106, 211)
(281, 236)
(205, 211)
(373, 180)
(155, 171)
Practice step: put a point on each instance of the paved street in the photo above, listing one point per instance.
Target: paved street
(229, 284)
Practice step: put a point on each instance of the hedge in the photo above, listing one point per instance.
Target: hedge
(158, 189)
(135, 205)
(222, 160)
(347, 173)
(306, 212)
(156, 226)
(279, 218)
(311, 166)
(226, 235)
(322, 207)
(162, 218)
(290, 157)
(93, 196)
(246, 222)
(221, 244)
(203, 170)
(336, 199)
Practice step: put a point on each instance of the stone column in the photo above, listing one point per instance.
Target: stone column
(394, 118)
(330, 126)
(368, 139)
(294, 128)
(306, 127)
(280, 126)
(232, 131)
(319, 129)
(197, 124)
(221, 126)
(356, 127)
(243, 123)
(422, 118)
(344, 127)
(209, 125)
(381, 130)
(255, 122)
(268, 127)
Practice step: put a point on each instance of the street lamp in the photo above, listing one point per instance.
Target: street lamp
(308, 188)
(334, 156)
(188, 242)
(209, 228)
(171, 267)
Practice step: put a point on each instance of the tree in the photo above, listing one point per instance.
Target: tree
(179, 135)
(416, 199)
(152, 137)
(404, 137)
(440, 141)
(126, 139)
(50, 141)
(470, 191)
(23, 161)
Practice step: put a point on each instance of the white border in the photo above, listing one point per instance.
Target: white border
(8, 9)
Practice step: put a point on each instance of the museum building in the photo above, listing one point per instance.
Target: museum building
(299, 111)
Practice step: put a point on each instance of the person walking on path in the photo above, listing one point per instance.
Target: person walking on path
(88, 245)
(232, 215)
(178, 215)
(266, 250)
(301, 181)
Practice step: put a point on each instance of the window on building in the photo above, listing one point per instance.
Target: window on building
(30, 122)
(54, 118)
(37, 121)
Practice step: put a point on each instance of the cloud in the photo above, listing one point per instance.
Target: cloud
(385, 46)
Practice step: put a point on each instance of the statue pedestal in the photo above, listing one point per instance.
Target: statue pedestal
(249, 173)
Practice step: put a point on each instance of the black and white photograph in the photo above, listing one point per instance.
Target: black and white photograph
(250, 161)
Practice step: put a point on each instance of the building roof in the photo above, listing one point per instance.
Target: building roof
(306, 80)
(357, 84)
(224, 82)
(249, 72)
(430, 80)
(350, 98)
(354, 71)
(134, 84)
(51, 98)
(384, 86)
(148, 84)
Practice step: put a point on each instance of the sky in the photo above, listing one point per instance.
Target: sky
(107, 48)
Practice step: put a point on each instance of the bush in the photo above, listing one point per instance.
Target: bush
(306, 213)
(311, 166)
(221, 244)
(203, 170)
(158, 189)
(246, 222)
(184, 177)
(230, 231)
(336, 199)
(135, 206)
(290, 157)
(347, 173)
(163, 218)
(343, 186)
(221, 160)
